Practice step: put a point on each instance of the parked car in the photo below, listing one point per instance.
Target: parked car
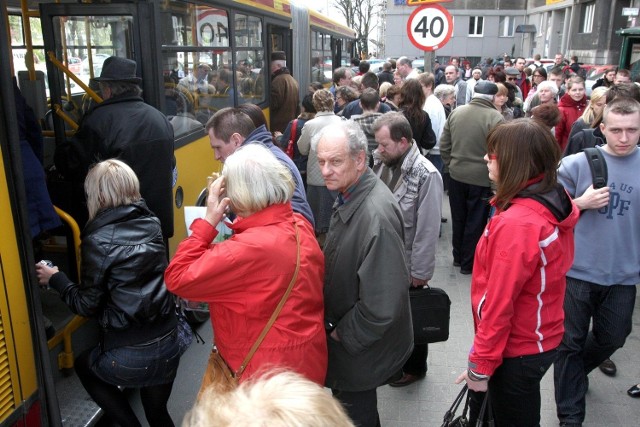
(74, 65)
(98, 59)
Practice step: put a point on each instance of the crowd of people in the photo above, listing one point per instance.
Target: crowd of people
(341, 199)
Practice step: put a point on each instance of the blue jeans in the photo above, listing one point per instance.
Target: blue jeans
(514, 390)
(582, 350)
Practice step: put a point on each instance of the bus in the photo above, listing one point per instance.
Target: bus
(54, 49)
(630, 50)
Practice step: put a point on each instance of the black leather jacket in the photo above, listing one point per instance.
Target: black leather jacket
(123, 263)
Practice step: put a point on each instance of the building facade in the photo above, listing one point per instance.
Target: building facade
(491, 28)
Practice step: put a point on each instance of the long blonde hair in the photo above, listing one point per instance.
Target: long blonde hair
(596, 95)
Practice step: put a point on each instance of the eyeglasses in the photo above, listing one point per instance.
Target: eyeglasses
(512, 79)
(537, 75)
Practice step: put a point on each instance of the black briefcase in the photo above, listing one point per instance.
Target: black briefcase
(430, 310)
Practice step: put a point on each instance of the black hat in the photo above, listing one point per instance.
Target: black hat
(116, 69)
(486, 88)
(278, 56)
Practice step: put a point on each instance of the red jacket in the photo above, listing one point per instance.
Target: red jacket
(524, 85)
(518, 283)
(570, 111)
(244, 278)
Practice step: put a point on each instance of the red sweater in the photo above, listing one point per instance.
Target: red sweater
(570, 111)
(518, 283)
(244, 278)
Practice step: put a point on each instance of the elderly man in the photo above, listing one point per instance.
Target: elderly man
(452, 77)
(341, 77)
(231, 128)
(123, 127)
(366, 292)
(463, 145)
(405, 69)
(601, 284)
(284, 93)
(417, 186)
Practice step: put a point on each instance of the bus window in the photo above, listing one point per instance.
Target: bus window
(249, 59)
(321, 65)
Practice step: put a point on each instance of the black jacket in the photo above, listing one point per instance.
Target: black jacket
(123, 263)
(134, 132)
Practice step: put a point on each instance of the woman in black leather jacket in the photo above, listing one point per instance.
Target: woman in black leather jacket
(123, 263)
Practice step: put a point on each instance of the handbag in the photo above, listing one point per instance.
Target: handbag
(485, 416)
(292, 139)
(461, 420)
(185, 333)
(218, 374)
(430, 313)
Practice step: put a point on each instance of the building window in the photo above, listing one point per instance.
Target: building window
(586, 17)
(506, 26)
(476, 26)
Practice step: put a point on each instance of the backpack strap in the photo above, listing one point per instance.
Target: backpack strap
(598, 166)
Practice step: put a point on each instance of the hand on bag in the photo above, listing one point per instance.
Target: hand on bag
(480, 386)
(416, 283)
(593, 198)
(217, 204)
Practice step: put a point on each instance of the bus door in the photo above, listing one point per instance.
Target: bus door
(78, 38)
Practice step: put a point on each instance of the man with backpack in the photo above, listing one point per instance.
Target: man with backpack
(601, 284)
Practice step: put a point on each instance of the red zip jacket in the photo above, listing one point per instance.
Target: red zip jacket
(570, 111)
(244, 278)
(518, 283)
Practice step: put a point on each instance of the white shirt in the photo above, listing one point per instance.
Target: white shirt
(435, 109)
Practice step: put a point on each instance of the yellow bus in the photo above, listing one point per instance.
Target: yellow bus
(54, 49)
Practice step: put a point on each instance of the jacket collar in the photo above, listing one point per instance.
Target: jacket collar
(117, 214)
(270, 215)
(363, 187)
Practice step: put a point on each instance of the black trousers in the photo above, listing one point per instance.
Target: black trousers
(469, 213)
(514, 390)
(361, 406)
(417, 362)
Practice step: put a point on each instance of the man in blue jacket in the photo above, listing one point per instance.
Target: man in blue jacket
(231, 128)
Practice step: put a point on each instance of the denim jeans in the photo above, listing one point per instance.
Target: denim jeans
(139, 365)
(610, 308)
(514, 389)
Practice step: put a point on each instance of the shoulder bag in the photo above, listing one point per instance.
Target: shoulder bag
(218, 374)
(292, 139)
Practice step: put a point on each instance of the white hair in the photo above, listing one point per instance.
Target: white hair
(256, 179)
(549, 85)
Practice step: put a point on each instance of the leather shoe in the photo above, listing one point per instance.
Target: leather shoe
(465, 271)
(634, 391)
(608, 367)
(406, 380)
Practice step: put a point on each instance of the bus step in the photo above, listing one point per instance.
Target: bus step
(76, 407)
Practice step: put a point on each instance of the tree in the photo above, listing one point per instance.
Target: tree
(360, 15)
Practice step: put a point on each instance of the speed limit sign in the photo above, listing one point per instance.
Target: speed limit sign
(430, 27)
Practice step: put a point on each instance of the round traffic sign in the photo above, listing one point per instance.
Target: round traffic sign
(430, 27)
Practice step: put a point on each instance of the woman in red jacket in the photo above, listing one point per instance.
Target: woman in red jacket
(244, 278)
(571, 105)
(518, 282)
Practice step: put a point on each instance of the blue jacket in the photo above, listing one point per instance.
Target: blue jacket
(299, 201)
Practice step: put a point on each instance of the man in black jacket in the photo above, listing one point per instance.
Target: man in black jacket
(123, 127)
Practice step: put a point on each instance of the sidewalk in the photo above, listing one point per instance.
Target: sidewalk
(425, 402)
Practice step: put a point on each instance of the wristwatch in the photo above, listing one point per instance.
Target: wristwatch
(473, 376)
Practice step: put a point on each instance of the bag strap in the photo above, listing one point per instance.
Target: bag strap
(598, 166)
(276, 312)
(485, 411)
(294, 128)
(448, 416)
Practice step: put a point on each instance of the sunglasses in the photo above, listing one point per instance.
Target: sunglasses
(512, 79)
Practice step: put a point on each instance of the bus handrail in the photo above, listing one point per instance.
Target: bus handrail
(65, 357)
(59, 65)
(64, 116)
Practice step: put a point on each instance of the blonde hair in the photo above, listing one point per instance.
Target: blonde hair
(281, 399)
(256, 179)
(596, 95)
(109, 184)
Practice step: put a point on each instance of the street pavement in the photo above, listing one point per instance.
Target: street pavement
(425, 402)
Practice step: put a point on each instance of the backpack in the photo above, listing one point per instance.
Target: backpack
(598, 166)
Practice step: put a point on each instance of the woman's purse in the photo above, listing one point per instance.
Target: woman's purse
(218, 374)
(485, 416)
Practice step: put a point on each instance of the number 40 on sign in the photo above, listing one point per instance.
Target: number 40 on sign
(430, 27)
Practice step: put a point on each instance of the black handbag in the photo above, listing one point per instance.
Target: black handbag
(430, 311)
(460, 421)
(485, 416)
